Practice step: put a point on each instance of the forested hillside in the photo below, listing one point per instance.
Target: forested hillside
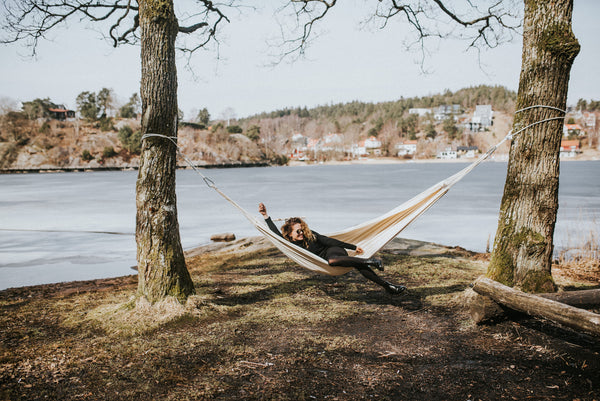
(33, 137)
(501, 98)
(390, 122)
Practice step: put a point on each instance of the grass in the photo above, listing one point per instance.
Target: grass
(261, 327)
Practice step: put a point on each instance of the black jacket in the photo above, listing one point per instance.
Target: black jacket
(319, 246)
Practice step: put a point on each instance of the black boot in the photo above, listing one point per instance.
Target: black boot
(375, 263)
(394, 289)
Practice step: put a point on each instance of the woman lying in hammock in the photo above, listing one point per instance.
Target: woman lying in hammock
(297, 232)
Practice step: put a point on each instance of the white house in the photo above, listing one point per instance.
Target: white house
(589, 120)
(407, 148)
(358, 149)
(482, 117)
(373, 145)
(447, 154)
(419, 111)
(333, 138)
(332, 142)
(442, 112)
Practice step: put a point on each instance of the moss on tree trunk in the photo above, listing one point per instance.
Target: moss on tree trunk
(523, 244)
(161, 264)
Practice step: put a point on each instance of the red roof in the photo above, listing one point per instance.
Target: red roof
(574, 144)
(58, 110)
(572, 126)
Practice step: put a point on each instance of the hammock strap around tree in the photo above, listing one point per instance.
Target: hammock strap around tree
(372, 235)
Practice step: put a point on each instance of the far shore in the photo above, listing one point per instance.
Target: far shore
(503, 158)
(590, 155)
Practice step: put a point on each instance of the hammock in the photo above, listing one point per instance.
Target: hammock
(372, 235)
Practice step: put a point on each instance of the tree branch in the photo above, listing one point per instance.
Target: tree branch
(427, 18)
(299, 44)
(210, 29)
(193, 28)
(32, 20)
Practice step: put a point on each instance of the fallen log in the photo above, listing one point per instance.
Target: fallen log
(533, 305)
(481, 308)
(575, 298)
(225, 237)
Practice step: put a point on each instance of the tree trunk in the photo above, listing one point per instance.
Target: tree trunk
(161, 264)
(524, 239)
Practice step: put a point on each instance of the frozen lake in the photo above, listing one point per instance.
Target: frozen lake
(79, 226)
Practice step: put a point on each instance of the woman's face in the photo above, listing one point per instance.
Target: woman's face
(297, 233)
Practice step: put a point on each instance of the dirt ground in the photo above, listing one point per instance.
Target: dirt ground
(262, 328)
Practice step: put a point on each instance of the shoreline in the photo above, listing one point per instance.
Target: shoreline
(398, 246)
(503, 158)
(42, 170)
(394, 160)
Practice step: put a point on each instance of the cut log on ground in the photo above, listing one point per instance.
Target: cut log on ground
(533, 305)
(225, 237)
(481, 308)
(575, 298)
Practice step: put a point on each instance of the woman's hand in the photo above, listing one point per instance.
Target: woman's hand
(359, 250)
(262, 209)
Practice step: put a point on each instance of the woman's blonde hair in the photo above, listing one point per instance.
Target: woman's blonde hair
(286, 229)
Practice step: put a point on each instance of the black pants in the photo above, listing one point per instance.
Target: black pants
(337, 256)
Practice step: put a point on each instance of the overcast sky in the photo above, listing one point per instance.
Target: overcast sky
(345, 63)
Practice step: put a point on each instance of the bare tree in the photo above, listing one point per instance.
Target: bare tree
(154, 25)
(524, 241)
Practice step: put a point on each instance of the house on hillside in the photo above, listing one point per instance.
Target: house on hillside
(570, 148)
(61, 113)
(333, 142)
(313, 145)
(447, 154)
(407, 148)
(443, 112)
(589, 119)
(299, 144)
(358, 150)
(573, 130)
(482, 118)
(373, 146)
(419, 111)
(467, 152)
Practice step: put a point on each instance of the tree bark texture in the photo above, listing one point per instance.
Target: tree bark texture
(523, 244)
(161, 265)
(537, 306)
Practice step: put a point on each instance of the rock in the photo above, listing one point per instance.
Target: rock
(226, 237)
